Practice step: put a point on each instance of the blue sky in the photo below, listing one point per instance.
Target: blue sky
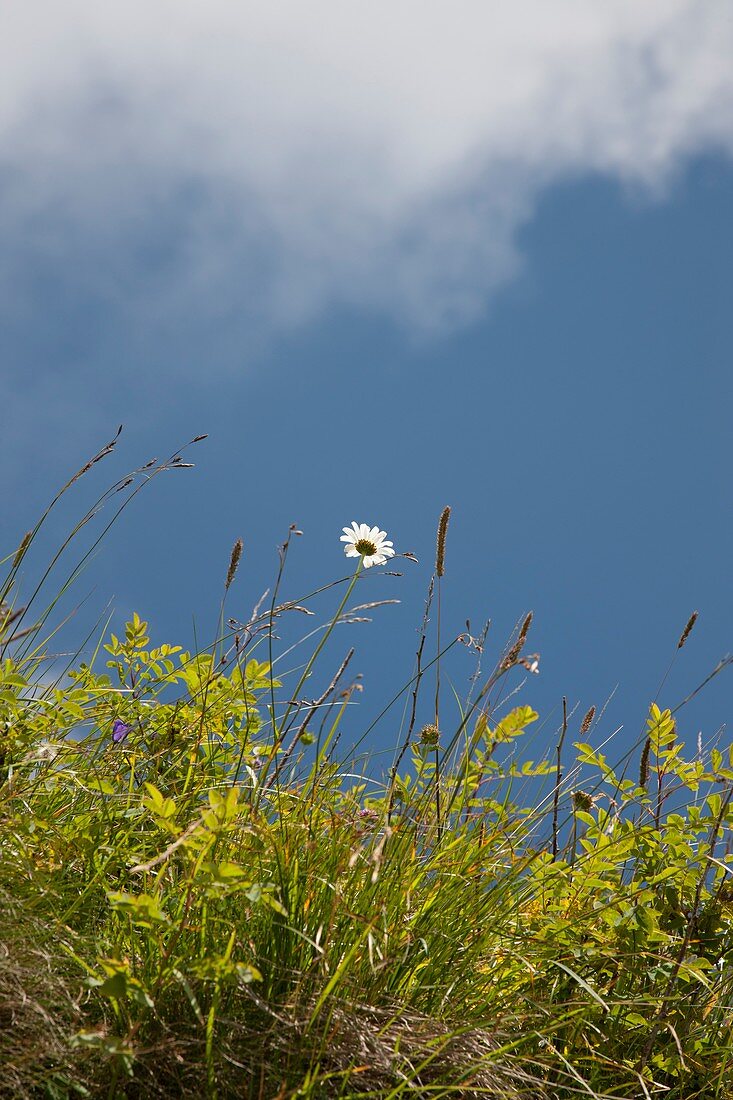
(519, 306)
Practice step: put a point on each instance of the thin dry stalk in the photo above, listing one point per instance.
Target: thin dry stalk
(439, 572)
(558, 777)
(107, 449)
(312, 709)
(723, 663)
(174, 462)
(282, 553)
(415, 692)
(682, 639)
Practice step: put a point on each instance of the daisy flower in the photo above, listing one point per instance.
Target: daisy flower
(368, 543)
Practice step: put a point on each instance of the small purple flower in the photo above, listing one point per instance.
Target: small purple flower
(120, 731)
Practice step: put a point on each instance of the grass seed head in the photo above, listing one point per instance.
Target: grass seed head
(22, 549)
(513, 654)
(586, 723)
(644, 763)
(688, 629)
(233, 562)
(442, 533)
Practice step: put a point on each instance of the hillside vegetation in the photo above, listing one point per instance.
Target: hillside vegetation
(204, 893)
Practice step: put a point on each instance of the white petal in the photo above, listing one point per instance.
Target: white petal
(351, 552)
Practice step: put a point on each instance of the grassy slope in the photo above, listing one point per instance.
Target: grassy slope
(214, 905)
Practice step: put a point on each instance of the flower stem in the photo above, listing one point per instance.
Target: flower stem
(280, 734)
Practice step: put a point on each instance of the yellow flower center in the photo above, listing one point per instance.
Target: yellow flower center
(365, 548)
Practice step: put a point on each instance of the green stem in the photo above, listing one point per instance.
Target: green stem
(278, 735)
(316, 652)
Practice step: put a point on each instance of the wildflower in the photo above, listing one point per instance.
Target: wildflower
(120, 731)
(365, 819)
(368, 543)
(582, 801)
(430, 736)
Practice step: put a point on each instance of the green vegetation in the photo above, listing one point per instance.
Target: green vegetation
(202, 895)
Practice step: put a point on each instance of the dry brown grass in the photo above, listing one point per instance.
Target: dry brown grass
(363, 1050)
(39, 1005)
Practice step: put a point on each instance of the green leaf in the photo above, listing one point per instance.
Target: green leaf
(582, 983)
(99, 786)
(142, 909)
(158, 804)
(119, 984)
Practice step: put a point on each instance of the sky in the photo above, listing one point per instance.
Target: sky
(389, 258)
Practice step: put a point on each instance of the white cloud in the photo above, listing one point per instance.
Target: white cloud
(267, 160)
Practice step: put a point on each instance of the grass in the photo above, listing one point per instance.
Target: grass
(201, 894)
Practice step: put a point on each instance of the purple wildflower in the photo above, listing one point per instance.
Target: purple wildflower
(120, 731)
